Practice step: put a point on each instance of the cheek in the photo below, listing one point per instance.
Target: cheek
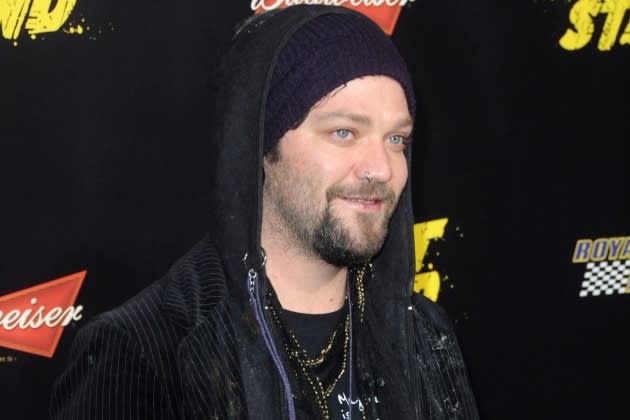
(326, 167)
(335, 168)
(307, 154)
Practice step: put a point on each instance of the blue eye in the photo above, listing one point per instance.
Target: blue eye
(397, 139)
(343, 133)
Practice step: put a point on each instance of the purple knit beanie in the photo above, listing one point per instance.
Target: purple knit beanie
(321, 55)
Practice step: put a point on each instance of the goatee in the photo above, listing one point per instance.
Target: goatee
(333, 241)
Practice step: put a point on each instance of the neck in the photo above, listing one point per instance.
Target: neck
(303, 282)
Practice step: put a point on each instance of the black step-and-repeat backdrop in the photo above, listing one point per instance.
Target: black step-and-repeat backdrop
(521, 180)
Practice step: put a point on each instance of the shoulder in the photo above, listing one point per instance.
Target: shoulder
(177, 302)
(441, 369)
(430, 313)
(159, 317)
(434, 335)
(433, 331)
(133, 348)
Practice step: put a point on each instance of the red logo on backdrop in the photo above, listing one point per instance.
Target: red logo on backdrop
(32, 320)
(384, 12)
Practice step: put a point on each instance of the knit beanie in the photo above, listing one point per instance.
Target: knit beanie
(323, 54)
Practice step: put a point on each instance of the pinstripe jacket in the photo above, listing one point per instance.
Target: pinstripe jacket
(189, 346)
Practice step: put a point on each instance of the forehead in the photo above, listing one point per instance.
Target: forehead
(364, 98)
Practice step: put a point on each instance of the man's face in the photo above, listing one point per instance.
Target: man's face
(317, 196)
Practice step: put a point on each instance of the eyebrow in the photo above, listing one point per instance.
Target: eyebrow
(362, 119)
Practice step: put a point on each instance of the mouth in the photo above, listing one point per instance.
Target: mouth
(364, 203)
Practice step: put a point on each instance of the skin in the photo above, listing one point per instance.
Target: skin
(319, 179)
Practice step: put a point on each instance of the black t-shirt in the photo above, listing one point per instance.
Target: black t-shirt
(313, 332)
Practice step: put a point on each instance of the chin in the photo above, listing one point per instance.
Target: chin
(369, 243)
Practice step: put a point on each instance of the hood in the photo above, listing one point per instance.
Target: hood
(246, 72)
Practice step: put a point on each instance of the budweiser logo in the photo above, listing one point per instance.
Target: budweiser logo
(384, 12)
(32, 320)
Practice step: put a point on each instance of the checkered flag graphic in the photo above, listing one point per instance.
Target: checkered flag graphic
(606, 278)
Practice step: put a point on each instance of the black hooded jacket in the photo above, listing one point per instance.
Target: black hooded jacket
(189, 346)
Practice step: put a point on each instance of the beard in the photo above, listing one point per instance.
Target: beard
(298, 216)
(335, 244)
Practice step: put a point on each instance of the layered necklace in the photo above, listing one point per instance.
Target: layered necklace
(321, 373)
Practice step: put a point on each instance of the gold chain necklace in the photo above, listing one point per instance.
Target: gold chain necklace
(303, 365)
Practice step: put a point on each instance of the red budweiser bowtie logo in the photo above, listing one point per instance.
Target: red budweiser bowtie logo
(384, 12)
(33, 319)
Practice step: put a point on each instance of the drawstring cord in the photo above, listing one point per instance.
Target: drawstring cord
(253, 288)
(254, 297)
(350, 364)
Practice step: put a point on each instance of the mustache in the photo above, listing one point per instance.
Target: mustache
(379, 191)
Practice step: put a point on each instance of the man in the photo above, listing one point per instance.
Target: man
(299, 304)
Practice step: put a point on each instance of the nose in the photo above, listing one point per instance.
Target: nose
(374, 162)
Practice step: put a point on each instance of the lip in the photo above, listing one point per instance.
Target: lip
(364, 203)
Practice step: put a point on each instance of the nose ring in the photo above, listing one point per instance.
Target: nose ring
(367, 176)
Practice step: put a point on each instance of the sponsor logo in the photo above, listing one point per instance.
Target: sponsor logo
(36, 17)
(607, 262)
(32, 320)
(587, 18)
(427, 282)
(384, 12)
